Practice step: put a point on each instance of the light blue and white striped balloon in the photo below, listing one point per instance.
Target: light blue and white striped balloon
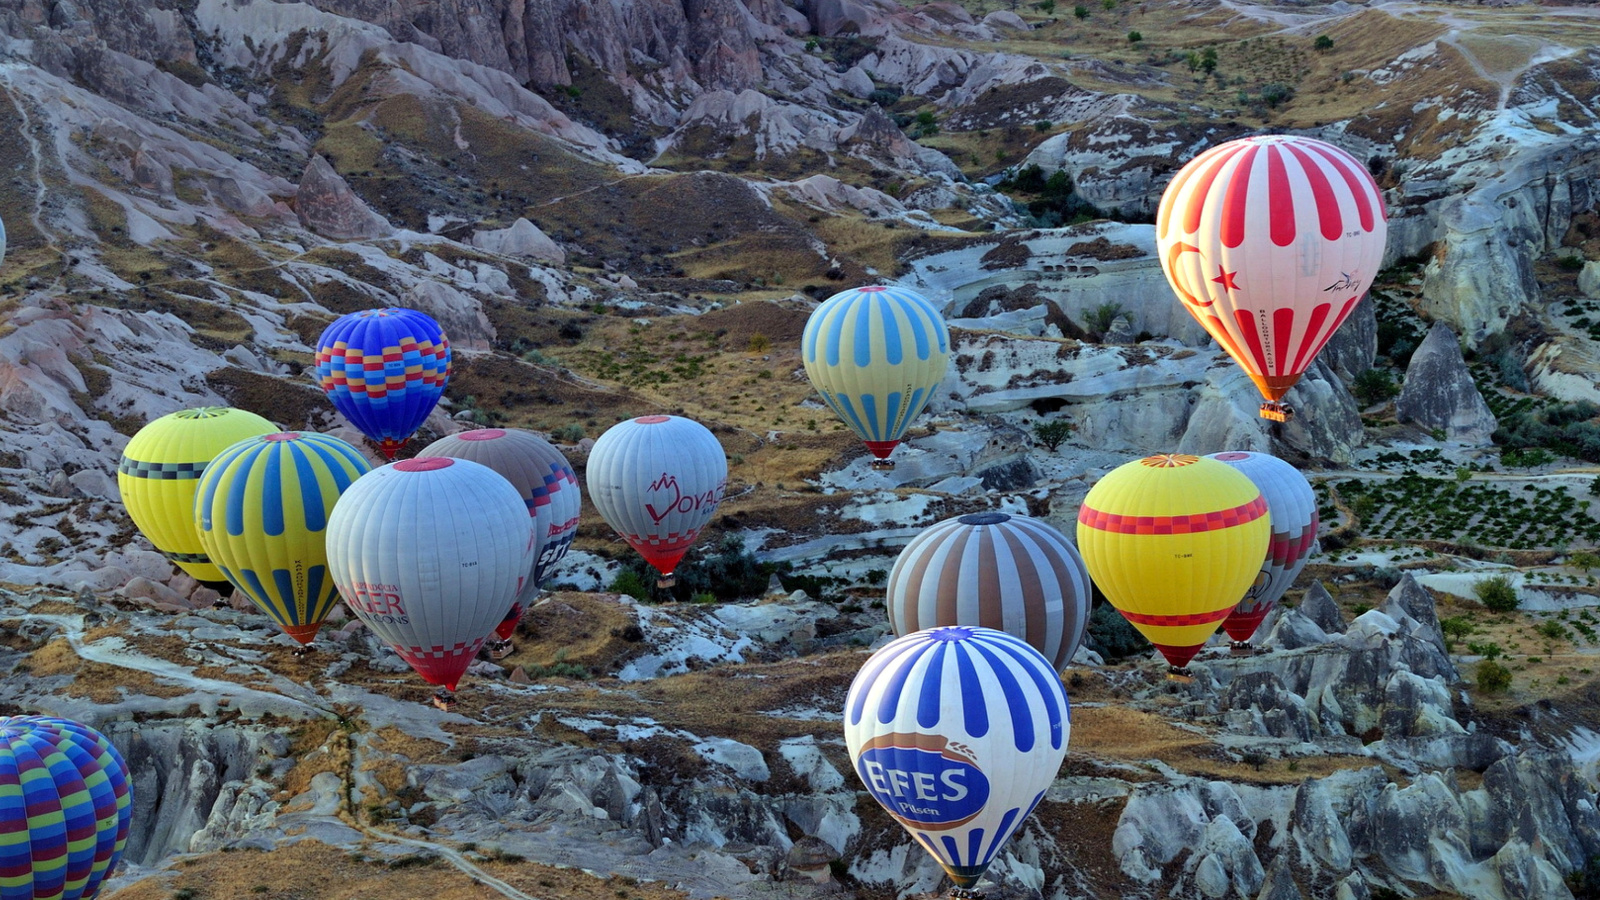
(958, 732)
(875, 354)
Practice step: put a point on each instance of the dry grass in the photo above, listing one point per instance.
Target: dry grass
(310, 870)
(584, 630)
(420, 751)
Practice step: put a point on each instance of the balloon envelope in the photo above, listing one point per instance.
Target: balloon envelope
(384, 369)
(65, 806)
(429, 553)
(262, 511)
(876, 354)
(957, 732)
(1292, 508)
(1269, 241)
(1174, 541)
(547, 484)
(1010, 573)
(161, 468)
(657, 480)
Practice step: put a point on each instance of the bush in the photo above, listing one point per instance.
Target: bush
(1099, 319)
(1493, 678)
(885, 96)
(1048, 7)
(1322, 43)
(1053, 432)
(1111, 636)
(1569, 263)
(570, 331)
(759, 343)
(633, 583)
(1497, 593)
(1135, 37)
(1488, 650)
(1081, 11)
(570, 433)
(1043, 125)
(1374, 386)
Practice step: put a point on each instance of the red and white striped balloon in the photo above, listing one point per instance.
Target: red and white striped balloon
(1270, 241)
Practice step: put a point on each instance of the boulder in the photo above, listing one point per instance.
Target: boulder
(1589, 279)
(856, 83)
(152, 593)
(1439, 391)
(460, 314)
(1286, 628)
(1280, 882)
(1005, 18)
(1316, 830)
(1320, 607)
(1274, 710)
(1224, 863)
(522, 239)
(326, 205)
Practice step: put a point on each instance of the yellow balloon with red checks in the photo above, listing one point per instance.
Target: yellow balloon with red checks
(1173, 542)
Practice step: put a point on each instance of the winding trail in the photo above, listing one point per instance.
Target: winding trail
(454, 858)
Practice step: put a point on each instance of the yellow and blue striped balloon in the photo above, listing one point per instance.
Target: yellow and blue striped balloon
(262, 512)
(876, 354)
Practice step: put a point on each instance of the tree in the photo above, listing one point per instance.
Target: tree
(1584, 560)
(1497, 593)
(1052, 433)
(1048, 7)
(1374, 386)
(1135, 37)
(1493, 678)
(1208, 60)
(1081, 11)
(1323, 43)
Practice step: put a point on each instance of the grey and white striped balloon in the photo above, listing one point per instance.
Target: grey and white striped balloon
(1011, 573)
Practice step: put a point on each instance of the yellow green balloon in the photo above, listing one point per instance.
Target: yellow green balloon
(262, 512)
(161, 467)
(1173, 542)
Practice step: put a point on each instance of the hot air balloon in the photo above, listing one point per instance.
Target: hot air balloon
(1010, 573)
(384, 369)
(429, 553)
(657, 480)
(161, 467)
(65, 805)
(1269, 241)
(957, 732)
(1292, 508)
(262, 510)
(2, 240)
(876, 354)
(547, 484)
(1173, 542)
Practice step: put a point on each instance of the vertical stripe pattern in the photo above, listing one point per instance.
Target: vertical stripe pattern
(430, 553)
(657, 480)
(1010, 573)
(1293, 509)
(875, 354)
(65, 807)
(384, 369)
(1268, 242)
(262, 512)
(957, 732)
(160, 469)
(1173, 542)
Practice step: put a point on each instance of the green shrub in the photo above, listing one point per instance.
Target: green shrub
(1569, 263)
(1493, 678)
(1111, 635)
(633, 583)
(1322, 43)
(571, 433)
(1374, 386)
(1081, 11)
(1497, 593)
(1489, 650)
(1135, 37)
(1053, 432)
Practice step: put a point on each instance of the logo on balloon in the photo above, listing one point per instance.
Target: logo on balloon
(923, 780)
(1346, 282)
(381, 602)
(666, 488)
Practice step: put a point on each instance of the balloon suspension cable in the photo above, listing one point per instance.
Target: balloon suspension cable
(960, 893)
(1180, 674)
(1242, 648)
(881, 465)
(444, 699)
(500, 649)
(304, 650)
(1277, 412)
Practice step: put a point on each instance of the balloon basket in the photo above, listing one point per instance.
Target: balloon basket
(1241, 648)
(959, 893)
(881, 465)
(220, 603)
(666, 581)
(444, 700)
(1181, 675)
(501, 649)
(1277, 412)
(303, 650)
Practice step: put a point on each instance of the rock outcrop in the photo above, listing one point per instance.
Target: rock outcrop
(1439, 391)
(522, 239)
(326, 205)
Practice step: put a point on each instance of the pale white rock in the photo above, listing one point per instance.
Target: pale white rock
(829, 193)
(856, 82)
(809, 762)
(153, 593)
(1439, 391)
(1566, 367)
(458, 313)
(1589, 278)
(326, 205)
(1005, 18)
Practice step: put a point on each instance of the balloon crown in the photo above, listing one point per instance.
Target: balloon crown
(988, 518)
(424, 464)
(1169, 460)
(482, 434)
(651, 420)
(951, 633)
(1232, 456)
(282, 436)
(203, 412)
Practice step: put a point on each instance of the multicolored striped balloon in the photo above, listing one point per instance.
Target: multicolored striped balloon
(547, 483)
(958, 732)
(1269, 241)
(1173, 542)
(430, 553)
(262, 511)
(876, 354)
(1010, 573)
(65, 804)
(384, 369)
(657, 480)
(1292, 506)
(161, 467)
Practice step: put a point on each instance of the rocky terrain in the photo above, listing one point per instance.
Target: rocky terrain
(632, 207)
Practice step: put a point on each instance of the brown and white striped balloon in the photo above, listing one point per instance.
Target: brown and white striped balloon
(1011, 573)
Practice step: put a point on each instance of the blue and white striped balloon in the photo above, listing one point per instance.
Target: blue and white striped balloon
(958, 732)
(875, 354)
